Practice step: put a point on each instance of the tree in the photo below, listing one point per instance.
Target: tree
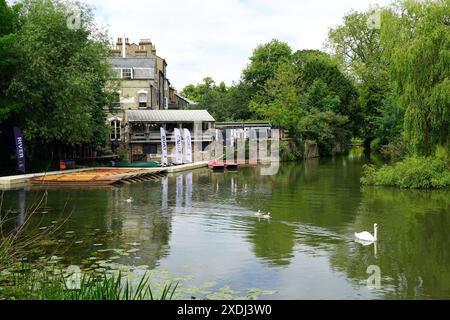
(264, 64)
(417, 41)
(359, 49)
(308, 113)
(63, 73)
(8, 61)
(314, 65)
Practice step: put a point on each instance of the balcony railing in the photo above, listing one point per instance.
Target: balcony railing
(155, 137)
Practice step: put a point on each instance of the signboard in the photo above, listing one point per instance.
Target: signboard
(188, 145)
(164, 160)
(178, 146)
(20, 149)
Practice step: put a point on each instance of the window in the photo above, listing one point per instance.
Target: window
(115, 130)
(142, 100)
(127, 73)
(150, 148)
(116, 100)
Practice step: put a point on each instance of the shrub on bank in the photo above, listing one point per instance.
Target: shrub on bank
(411, 173)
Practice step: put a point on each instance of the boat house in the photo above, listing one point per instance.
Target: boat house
(143, 138)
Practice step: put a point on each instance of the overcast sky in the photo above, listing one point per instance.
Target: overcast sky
(215, 38)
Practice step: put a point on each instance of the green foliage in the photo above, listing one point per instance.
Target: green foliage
(60, 85)
(417, 41)
(395, 150)
(291, 150)
(265, 62)
(360, 52)
(411, 173)
(8, 58)
(224, 103)
(309, 112)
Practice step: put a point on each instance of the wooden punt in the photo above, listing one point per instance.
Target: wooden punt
(97, 177)
(222, 165)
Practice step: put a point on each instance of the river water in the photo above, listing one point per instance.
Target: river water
(200, 228)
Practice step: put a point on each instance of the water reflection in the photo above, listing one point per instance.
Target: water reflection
(204, 224)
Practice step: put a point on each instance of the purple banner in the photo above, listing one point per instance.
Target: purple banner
(20, 149)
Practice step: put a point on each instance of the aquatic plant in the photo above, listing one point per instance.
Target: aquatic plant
(28, 283)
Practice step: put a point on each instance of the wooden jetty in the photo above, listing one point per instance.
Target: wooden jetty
(97, 178)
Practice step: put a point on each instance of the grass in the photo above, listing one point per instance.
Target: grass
(46, 284)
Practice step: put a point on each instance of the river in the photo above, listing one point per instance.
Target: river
(200, 228)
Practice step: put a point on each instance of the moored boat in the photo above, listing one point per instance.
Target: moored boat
(152, 164)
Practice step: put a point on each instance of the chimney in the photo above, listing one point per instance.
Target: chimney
(124, 49)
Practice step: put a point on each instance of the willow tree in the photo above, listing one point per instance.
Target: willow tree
(416, 37)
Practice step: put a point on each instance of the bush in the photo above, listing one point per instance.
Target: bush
(291, 151)
(394, 151)
(411, 173)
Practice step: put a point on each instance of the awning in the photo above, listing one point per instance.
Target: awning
(166, 116)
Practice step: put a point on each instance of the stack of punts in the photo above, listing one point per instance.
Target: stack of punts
(96, 178)
(221, 165)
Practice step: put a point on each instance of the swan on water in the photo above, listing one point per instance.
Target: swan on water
(258, 214)
(267, 216)
(129, 200)
(366, 236)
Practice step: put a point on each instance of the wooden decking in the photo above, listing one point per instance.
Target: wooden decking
(96, 178)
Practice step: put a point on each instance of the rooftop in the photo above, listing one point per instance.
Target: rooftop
(132, 62)
(168, 116)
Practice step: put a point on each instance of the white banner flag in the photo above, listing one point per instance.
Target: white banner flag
(188, 145)
(164, 160)
(178, 146)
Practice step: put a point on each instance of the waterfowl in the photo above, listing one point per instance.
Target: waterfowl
(129, 200)
(267, 216)
(258, 214)
(366, 236)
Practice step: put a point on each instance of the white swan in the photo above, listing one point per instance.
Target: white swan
(258, 214)
(366, 236)
(129, 200)
(267, 216)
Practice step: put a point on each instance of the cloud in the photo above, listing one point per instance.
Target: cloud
(215, 38)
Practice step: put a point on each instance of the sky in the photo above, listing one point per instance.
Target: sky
(215, 38)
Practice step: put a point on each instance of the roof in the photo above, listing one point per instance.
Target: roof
(132, 62)
(168, 116)
(192, 103)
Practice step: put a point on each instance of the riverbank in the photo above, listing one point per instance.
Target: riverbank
(410, 173)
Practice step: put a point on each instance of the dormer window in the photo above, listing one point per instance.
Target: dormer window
(127, 73)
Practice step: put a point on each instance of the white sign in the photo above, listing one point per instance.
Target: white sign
(164, 160)
(178, 146)
(188, 145)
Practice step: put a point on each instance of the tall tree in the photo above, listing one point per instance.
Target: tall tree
(9, 22)
(358, 46)
(416, 35)
(264, 63)
(63, 74)
(314, 65)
